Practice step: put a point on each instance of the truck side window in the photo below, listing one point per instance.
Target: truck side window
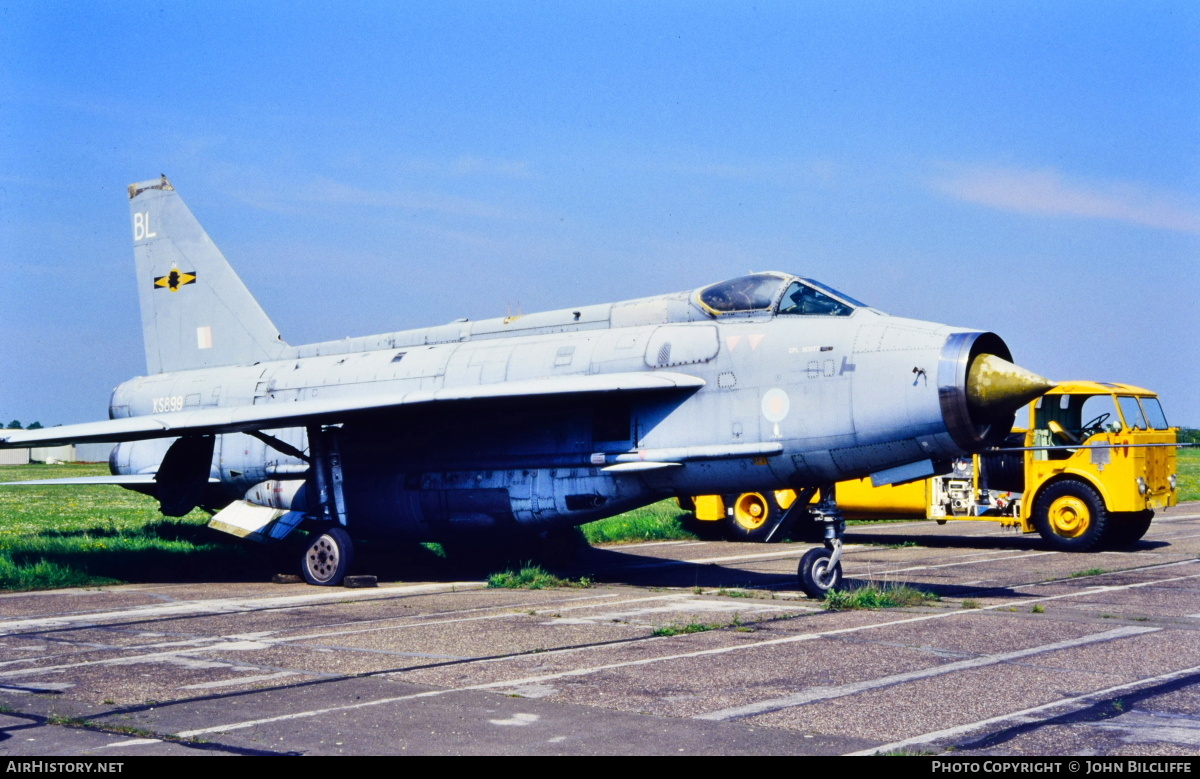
(1099, 415)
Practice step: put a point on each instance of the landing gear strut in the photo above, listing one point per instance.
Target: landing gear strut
(329, 552)
(821, 569)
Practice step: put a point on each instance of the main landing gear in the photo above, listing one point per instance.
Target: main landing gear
(821, 569)
(329, 552)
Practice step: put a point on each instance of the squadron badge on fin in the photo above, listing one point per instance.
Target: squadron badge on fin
(175, 279)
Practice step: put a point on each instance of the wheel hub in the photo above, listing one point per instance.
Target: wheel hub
(323, 558)
(1069, 517)
(750, 511)
(823, 574)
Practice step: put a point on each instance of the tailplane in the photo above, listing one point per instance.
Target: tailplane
(196, 312)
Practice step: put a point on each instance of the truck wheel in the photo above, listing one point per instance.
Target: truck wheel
(1071, 516)
(816, 577)
(1125, 530)
(327, 557)
(753, 517)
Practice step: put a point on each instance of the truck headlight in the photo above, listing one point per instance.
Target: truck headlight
(1141, 483)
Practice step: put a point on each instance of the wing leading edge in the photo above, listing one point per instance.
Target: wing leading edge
(333, 410)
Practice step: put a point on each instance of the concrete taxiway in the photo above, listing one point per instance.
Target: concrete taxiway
(678, 648)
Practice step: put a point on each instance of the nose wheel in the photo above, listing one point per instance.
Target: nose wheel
(819, 573)
(821, 569)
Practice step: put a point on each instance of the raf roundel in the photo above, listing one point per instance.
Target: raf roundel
(775, 405)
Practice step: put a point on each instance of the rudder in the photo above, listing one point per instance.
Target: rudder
(196, 312)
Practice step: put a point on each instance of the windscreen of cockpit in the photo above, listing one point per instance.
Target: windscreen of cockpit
(812, 297)
(756, 292)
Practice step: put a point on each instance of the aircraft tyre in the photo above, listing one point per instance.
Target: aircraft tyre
(327, 557)
(816, 577)
(754, 517)
(1127, 529)
(1071, 516)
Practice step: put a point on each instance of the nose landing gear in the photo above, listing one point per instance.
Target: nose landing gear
(820, 569)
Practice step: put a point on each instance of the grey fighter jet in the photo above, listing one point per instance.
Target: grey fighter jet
(521, 424)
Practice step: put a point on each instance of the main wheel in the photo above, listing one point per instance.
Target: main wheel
(816, 576)
(327, 557)
(1071, 516)
(1125, 530)
(753, 517)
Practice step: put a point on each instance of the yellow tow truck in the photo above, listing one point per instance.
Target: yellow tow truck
(1089, 470)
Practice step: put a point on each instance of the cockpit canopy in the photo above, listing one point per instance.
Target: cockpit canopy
(777, 292)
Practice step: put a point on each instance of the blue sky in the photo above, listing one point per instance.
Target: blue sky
(1023, 167)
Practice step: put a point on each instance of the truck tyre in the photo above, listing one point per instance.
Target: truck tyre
(753, 517)
(1126, 529)
(1071, 516)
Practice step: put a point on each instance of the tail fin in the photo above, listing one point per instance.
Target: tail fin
(196, 312)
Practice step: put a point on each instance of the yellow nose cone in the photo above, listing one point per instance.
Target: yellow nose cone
(995, 386)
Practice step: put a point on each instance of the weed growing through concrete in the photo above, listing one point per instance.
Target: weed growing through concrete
(691, 627)
(970, 604)
(533, 577)
(1088, 572)
(873, 596)
(1037, 609)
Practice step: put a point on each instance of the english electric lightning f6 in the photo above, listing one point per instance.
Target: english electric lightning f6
(522, 424)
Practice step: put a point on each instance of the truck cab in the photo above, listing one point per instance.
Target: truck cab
(1106, 490)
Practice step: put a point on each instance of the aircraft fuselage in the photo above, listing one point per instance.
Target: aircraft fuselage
(787, 401)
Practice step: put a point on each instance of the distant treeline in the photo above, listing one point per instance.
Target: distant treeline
(16, 425)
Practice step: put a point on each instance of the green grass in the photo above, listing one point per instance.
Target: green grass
(1187, 465)
(532, 577)
(691, 627)
(75, 536)
(1088, 572)
(660, 521)
(877, 596)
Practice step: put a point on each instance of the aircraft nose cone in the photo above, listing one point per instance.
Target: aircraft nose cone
(996, 387)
